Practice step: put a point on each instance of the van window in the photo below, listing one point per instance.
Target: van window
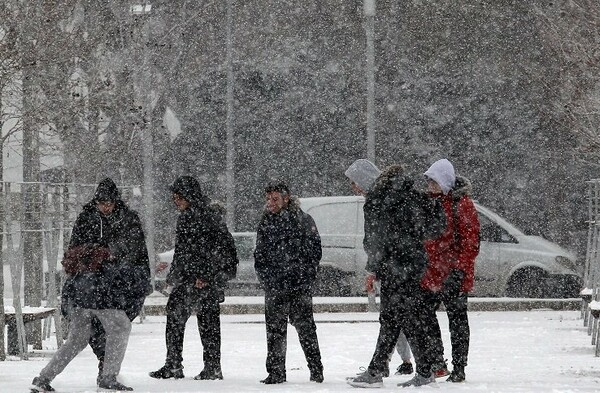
(335, 218)
(492, 232)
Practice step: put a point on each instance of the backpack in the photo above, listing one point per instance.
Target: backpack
(227, 255)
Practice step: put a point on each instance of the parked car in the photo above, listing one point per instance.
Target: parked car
(510, 263)
(246, 276)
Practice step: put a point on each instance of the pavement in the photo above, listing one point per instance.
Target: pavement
(156, 302)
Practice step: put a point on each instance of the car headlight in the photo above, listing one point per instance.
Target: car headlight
(566, 263)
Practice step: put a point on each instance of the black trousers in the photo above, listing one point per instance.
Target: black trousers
(402, 309)
(458, 321)
(182, 302)
(297, 307)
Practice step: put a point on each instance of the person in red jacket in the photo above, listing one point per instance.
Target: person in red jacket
(451, 269)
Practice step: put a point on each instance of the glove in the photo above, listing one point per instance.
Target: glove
(370, 282)
(453, 282)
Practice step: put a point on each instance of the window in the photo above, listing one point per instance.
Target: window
(335, 218)
(492, 232)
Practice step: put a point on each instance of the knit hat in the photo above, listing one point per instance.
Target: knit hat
(442, 172)
(363, 173)
(107, 191)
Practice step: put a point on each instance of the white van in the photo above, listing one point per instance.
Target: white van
(510, 263)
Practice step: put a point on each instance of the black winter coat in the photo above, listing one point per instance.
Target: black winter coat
(202, 238)
(121, 283)
(288, 250)
(397, 220)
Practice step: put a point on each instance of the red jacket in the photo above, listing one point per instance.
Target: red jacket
(449, 252)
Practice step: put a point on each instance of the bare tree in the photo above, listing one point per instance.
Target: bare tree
(571, 28)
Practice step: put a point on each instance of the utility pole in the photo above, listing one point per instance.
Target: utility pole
(143, 94)
(369, 10)
(230, 160)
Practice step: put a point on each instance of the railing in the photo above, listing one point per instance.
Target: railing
(591, 276)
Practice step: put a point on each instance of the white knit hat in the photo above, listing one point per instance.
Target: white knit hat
(442, 172)
(363, 173)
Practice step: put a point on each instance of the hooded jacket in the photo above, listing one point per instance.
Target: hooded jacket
(199, 240)
(121, 282)
(288, 249)
(397, 220)
(458, 246)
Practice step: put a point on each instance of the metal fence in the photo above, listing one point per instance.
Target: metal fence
(591, 276)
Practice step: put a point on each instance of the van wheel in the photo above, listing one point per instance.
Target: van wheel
(332, 282)
(528, 282)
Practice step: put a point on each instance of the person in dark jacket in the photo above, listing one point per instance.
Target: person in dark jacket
(197, 277)
(450, 274)
(397, 220)
(107, 280)
(286, 260)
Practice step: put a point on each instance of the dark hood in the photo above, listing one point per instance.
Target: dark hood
(189, 188)
(107, 191)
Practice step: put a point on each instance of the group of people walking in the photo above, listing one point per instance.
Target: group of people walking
(420, 245)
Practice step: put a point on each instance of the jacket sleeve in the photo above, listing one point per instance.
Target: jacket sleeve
(313, 240)
(468, 229)
(131, 246)
(260, 255)
(372, 243)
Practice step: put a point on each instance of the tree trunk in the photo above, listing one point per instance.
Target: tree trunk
(31, 225)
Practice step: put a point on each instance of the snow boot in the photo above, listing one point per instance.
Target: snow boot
(273, 379)
(405, 369)
(166, 372)
(209, 373)
(457, 375)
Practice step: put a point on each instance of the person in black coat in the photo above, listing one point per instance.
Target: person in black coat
(287, 255)
(108, 278)
(196, 278)
(398, 218)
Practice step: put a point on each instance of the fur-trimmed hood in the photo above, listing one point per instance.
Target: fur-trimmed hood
(292, 207)
(392, 178)
(462, 187)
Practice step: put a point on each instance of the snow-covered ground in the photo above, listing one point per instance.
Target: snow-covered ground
(534, 351)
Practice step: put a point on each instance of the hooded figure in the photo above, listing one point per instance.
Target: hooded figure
(108, 279)
(451, 270)
(442, 172)
(398, 218)
(197, 276)
(363, 173)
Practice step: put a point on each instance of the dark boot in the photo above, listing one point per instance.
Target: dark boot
(457, 374)
(272, 379)
(405, 369)
(166, 372)
(210, 373)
